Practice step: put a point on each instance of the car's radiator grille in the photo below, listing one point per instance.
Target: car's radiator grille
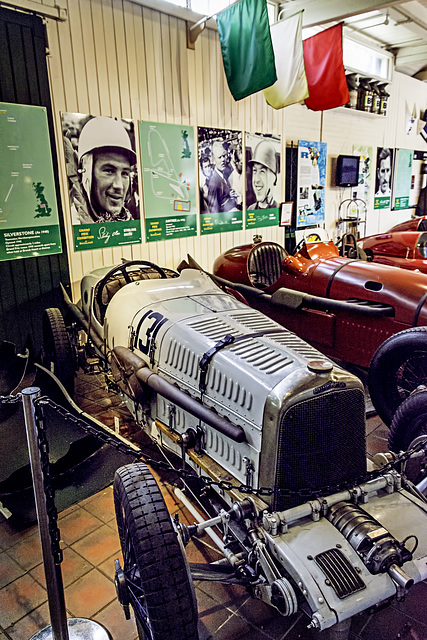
(342, 576)
(321, 444)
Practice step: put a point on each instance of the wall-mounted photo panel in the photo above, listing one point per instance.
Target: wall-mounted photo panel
(403, 161)
(102, 180)
(383, 178)
(29, 225)
(311, 183)
(263, 180)
(220, 180)
(419, 176)
(169, 180)
(363, 189)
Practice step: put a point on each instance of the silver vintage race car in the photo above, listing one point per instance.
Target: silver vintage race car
(273, 432)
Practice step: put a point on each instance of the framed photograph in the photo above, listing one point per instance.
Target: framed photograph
(286, 210)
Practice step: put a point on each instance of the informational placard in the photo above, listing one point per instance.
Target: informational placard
(403, 161)
(384, 178)
(311, 183)
(29, 225)
(286, 211)
(220, 180)
(263, 180)
(102, 180)
(363, 189)
(169, 180)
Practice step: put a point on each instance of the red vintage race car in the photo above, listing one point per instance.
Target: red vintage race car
(346, 308)
(405, 245)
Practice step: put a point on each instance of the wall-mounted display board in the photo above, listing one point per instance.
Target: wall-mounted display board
(29, 224)
(363, 189)
(311, 173)
(263, 180)
(102, 180)
(403, 161)
(220, 180)
(383, 178)
(419, 176)
(169, 180)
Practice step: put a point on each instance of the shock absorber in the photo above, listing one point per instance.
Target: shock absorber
(379, 550)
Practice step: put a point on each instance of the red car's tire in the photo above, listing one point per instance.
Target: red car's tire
(409, 422)
(397, 368)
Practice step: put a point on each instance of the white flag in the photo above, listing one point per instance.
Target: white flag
(291, 85)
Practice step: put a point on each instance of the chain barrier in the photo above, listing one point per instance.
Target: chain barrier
(224, 485)
(49, 490)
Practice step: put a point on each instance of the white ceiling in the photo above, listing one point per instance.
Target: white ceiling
(397, 26)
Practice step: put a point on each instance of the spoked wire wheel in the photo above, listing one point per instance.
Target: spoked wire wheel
(398, 367)
(158, 580)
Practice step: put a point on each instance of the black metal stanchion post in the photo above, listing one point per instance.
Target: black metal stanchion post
(60, 629)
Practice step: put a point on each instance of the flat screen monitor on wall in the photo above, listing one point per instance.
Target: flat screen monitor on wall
(347, 173)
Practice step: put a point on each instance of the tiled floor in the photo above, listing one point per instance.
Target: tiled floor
(90, 544)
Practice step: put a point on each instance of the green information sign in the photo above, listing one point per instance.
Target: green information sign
(29, 224)
(169, 180)
(262, 218)
(403, 160)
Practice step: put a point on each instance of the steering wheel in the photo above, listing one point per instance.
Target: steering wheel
(121, 269)
(314, 237)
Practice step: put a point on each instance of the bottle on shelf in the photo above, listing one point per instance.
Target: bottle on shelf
(364, 95)
(376, 96)
(352, 84)
(384, 98)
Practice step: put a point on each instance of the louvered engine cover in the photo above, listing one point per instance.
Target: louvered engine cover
(303, 417)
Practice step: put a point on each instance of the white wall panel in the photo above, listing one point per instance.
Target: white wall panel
(117, 58)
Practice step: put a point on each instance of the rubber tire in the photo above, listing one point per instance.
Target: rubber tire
(152, 551)
(409, 422)
(397, 368)
(57, 354)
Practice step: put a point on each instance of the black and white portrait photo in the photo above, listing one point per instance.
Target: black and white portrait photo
(101, 168)
(263, 175)
(220, 170)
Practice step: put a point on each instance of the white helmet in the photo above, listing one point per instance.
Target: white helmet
(102, 132)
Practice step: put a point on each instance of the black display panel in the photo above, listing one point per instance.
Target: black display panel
(347, 173)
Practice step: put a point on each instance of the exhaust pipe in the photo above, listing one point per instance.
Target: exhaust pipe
(161, 386)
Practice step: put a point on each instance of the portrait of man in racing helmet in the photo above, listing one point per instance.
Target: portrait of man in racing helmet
(103, 183)
(264, 176)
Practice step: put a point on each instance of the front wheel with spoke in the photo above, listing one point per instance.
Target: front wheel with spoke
(160, 588)
(397, 368)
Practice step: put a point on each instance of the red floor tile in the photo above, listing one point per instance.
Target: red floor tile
(19, 598)
(10, 535)
(101, 505)
(73, 567)
(98, 545)
(113, 619)
(31, 623)
(108, 567)
(9, 570)
(89, 594)
(77, 524)
(28, 552)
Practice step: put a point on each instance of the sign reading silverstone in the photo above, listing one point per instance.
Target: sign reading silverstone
(263, 180)
(220, 180)
(311, 183)
(29, 224)
(102, 180)
(169, 180)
